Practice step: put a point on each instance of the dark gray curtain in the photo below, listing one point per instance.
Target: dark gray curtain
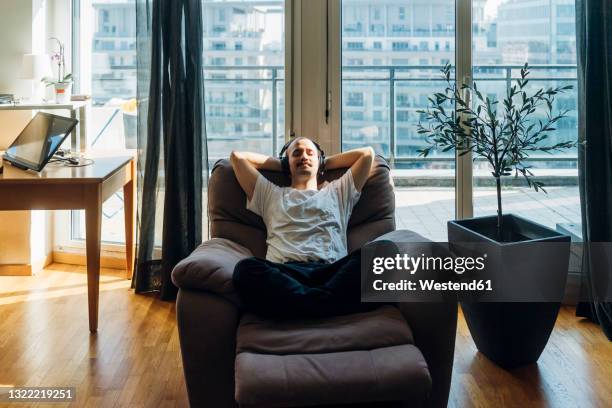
(594, 46)
(172, 139)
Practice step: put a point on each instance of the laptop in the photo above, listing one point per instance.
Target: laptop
(39, 140)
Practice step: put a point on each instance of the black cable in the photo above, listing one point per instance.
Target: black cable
(88, 162)
(71, 162)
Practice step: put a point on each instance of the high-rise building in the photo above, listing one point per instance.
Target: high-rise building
(244, 60)
(113, 62)
(390, 49)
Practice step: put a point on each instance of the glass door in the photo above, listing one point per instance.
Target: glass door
(392, 53)
(506, 35)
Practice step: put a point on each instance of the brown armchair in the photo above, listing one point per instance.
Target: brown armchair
(392, 356)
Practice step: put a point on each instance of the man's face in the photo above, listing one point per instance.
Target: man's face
(303, 158)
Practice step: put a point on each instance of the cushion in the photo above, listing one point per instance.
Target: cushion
(210, 267)
(385, 374)
(360, 357)
(381, 327)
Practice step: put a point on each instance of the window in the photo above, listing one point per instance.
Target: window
(544, 35)
(399, 46)
(403, 100)
(390, 126)
(239, 114)
(376, 13)
(377, 99)
(403, 116)
(377, 29)
(377, 45)
(566, 29)
(354, 99)
(566, 10)
(249, 102)
(356, 116)
(355, 45)
(108, 73)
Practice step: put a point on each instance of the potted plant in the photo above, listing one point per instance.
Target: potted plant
(63, 82)
(509, 333)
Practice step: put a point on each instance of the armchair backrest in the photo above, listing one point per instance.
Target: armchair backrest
(228, 217)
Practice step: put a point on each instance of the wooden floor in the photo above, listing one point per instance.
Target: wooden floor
(134, 360)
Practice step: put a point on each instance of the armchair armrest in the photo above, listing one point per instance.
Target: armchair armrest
(210, 267)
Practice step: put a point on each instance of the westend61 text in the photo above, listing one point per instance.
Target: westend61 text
(429, 285)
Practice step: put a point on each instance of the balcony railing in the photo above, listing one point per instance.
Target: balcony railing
(272, 75)
(400, 109)
(391, 77)
(394, 75)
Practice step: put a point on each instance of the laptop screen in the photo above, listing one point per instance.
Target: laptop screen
(39, 140)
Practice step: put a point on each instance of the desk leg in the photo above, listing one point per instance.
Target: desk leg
(129, 193)
(93, 220)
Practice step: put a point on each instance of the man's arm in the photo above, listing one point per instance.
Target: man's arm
(246, 166)
(359, 160)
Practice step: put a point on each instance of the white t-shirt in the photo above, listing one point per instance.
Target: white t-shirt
(305, 225)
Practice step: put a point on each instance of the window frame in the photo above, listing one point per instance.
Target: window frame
(463, 57)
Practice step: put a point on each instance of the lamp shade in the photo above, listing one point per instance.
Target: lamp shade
(35, 66)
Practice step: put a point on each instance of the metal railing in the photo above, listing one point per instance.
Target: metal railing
(273, 79)
(391, 76)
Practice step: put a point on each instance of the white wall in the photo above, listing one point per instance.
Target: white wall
(24, 28)
(16, 34)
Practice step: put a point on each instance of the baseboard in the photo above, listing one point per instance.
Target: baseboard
(16, 270)
(79, 259)
(26, 269)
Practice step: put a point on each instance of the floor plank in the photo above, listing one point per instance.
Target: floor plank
(134, 359)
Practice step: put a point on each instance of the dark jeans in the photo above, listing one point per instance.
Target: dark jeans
(301, 289)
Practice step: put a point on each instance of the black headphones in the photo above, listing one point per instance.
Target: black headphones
(284, 159)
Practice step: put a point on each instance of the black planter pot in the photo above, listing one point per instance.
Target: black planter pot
(514, 333)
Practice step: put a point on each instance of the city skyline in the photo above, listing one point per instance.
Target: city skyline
(241, 102)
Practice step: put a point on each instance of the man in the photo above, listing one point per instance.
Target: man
(307, 270)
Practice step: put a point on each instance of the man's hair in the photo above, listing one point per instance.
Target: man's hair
(284, 157)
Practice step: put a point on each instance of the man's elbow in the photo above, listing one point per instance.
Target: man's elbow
(370, 155)
(369, 152)
(235, 156)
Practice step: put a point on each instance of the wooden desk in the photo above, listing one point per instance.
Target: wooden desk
(59, 187)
